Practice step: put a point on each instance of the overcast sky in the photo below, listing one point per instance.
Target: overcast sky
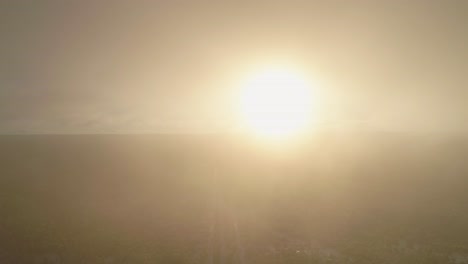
(150, 66)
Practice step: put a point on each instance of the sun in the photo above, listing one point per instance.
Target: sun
(276, 103)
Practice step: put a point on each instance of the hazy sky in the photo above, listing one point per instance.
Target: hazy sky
(116, 66)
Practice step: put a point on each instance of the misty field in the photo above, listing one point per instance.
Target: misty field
(360, 198)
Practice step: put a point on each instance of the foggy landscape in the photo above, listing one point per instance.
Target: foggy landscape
(154, 199)
(233, 132)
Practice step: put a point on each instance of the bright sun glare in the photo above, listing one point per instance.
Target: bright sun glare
(277, 103)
